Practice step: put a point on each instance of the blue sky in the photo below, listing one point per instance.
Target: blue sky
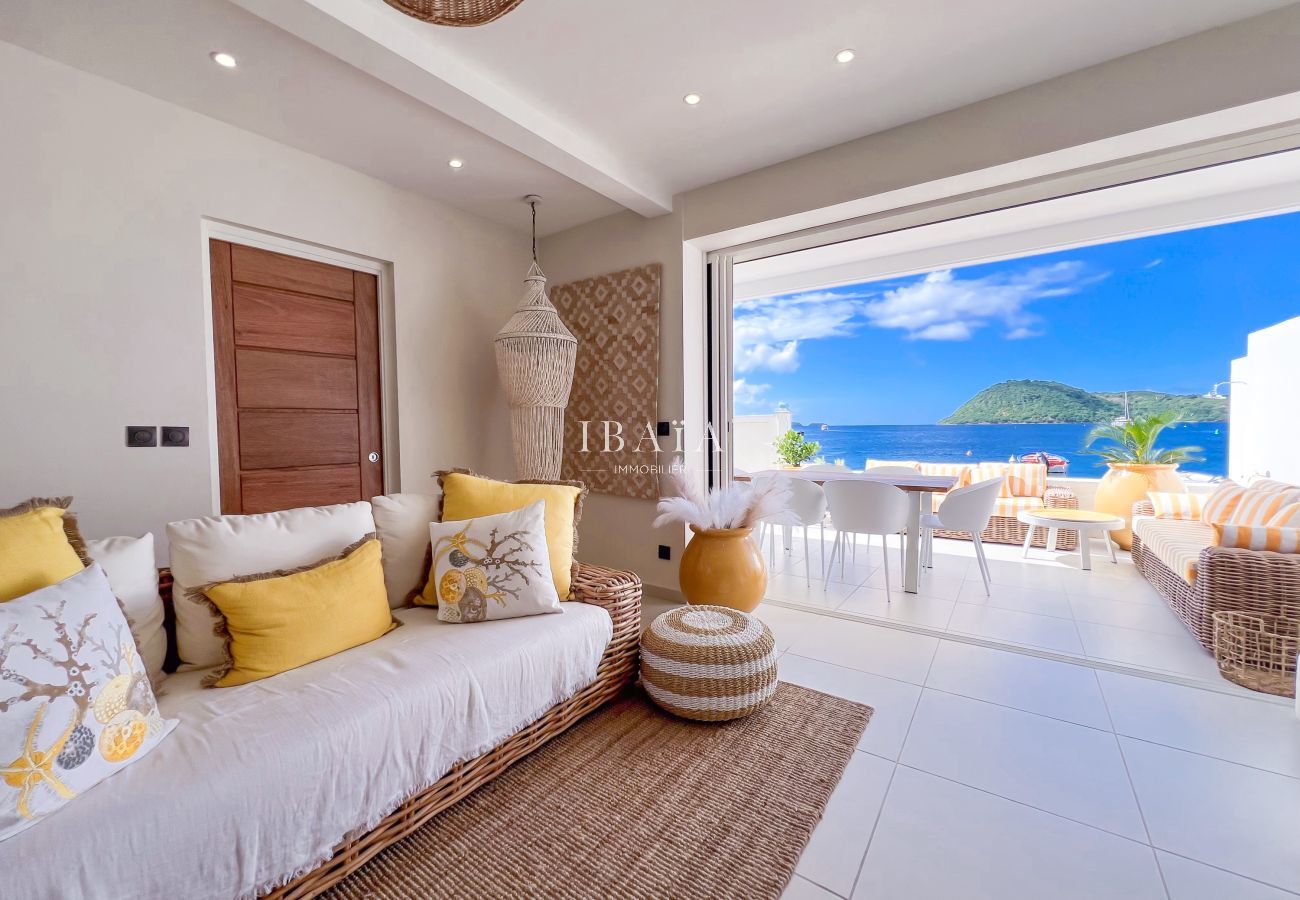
(1167, 312)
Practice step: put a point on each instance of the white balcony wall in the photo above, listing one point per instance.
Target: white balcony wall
(753, 437)
(1264, 424)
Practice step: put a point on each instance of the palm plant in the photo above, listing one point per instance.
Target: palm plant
(1134, 442)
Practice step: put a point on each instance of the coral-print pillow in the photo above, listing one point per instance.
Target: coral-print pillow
(492, 567)
(75, 700)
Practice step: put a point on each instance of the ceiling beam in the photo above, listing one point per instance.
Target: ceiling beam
(389, 46)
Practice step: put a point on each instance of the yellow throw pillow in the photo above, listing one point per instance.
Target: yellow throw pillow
(1170, 505)
(1286, 517)
(469, 496)
(279, 621)
(1220, 505)
(39, 546)
(1259, 507)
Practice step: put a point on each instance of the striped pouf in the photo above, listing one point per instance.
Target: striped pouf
(709, 663)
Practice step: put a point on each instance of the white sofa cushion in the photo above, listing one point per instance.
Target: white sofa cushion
(402, 522)
(219, 548)
(261, 781)
(1176, 542)
(133, 575)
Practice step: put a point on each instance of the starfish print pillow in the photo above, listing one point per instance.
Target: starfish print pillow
(75, 701)
(492, 567)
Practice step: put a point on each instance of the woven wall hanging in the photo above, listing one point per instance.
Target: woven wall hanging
(616, 320)
(456, 13)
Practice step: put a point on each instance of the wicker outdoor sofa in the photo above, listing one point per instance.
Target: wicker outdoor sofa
(1259, 582)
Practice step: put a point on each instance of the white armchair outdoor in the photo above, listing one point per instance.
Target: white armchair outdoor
(865, 507)
(967, 510)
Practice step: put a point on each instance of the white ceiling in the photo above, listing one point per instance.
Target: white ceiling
(580, 100)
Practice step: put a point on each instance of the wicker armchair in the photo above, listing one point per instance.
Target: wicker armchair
(619, 593)
(1259, 582)
(1010, 530)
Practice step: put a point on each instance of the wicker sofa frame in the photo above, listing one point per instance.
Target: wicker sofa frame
(619, 594)
(1258, 582)
(1010, 530)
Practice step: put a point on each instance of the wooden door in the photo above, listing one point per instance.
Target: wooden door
(297, 362)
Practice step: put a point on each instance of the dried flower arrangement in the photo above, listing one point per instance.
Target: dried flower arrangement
(738, 505)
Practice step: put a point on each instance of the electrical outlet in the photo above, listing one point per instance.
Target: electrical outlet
(665, 552)
(142, 435)
(176, 435)
(663, 429)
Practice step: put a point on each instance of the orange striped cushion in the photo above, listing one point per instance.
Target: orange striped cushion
(876, 463)
(1219, 506)
(1272, 484)
(1018, 479)
(1259, 507)
(1177, 506)
(1286, 517)
(960, 471)
(1259, 537)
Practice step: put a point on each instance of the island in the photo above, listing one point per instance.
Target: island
(1050, 402)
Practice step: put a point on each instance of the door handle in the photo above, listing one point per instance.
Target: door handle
(374, 456)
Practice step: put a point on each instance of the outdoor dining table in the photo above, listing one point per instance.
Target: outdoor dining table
(918, 488)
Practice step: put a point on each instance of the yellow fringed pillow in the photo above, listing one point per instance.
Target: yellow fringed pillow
(39, 546)
(1170, 505)
(469, 496)
(279, 621)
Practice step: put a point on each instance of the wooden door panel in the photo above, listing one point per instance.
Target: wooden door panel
(289, 273)
(265, 317)
(270, 379)
(280, 439)
(371, 433)
(267, 490)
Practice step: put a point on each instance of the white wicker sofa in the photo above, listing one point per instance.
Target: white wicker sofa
(283, 786)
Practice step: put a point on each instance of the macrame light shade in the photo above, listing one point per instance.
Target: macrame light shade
(457, 13)
(535, 357)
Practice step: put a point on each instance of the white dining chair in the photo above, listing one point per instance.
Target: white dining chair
(865, 507)
(965, 509)
(895, 470)
(808, 502)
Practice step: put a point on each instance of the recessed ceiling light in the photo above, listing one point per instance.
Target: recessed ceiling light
(225, 60)
(456, 163)
(691, 99)
(845, 56)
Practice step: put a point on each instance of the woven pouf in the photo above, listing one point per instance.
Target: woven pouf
(709, 663)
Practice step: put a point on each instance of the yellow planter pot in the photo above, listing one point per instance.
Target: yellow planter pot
(1126, 484)
(723, 567)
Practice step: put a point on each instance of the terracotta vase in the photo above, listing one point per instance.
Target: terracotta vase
(1126, 484)
(723, 567)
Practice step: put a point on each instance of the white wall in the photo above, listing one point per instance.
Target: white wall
(753, 437)
(1264, 415)
(102, 322)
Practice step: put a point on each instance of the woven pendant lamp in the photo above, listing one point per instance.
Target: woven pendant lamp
(535, 357)
(457, 13)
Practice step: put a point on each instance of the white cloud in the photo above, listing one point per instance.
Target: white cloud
(748, 396)
(768, 330)
(943, 307)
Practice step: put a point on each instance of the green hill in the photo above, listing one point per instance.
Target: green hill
(1050, 401)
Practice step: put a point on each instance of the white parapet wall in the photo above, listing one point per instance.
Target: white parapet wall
(753, 440)
(1264, 410)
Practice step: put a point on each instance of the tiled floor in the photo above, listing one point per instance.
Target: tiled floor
(1044, 603)
(994, 773)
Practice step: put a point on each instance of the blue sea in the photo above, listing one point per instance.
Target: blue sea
(965, 443)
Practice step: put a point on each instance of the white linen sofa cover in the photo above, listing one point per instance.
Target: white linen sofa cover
(258, 783)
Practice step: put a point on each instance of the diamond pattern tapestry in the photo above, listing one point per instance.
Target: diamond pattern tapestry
(615, 318)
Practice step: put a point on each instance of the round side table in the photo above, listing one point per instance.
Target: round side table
(1084, 521)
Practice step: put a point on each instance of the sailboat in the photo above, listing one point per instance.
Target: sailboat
(1124, 419)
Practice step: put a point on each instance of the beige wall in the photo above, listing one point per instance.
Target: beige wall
(101, 292)
(1237, 64)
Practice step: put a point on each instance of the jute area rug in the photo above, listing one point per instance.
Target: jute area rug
(634, 803)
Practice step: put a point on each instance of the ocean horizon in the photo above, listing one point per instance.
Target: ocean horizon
(855, 444)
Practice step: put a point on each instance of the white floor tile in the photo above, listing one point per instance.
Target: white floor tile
(803, 889)
(1188, 880)
(1180, 654)
(1127, 614)
(899, 607)
(1238, 729)
(787, 624)
(937, 840)
(943, 586)
(1044, 686)
(868, 648)
(1015, 627)
(893, 701)
(1229, 816)
(815, 593)
(1056, 766)
(1137, 590)
(1021, 573)
(835, 850)
(1040, 600)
